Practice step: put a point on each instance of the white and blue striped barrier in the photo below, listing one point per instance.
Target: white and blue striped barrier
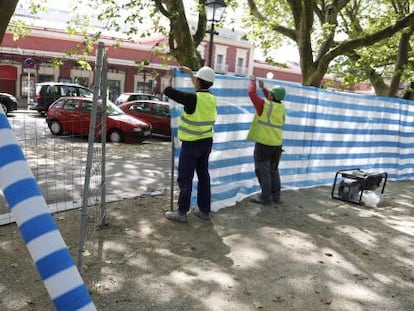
(38, 228)
(325, 131)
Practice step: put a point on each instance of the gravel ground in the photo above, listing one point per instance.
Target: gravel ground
(309, 252)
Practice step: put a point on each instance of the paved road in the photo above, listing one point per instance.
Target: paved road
(59, 163)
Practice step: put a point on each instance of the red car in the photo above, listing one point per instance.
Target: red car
(156, 113)
(72, 115)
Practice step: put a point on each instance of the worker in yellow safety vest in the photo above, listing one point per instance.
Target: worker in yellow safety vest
(266, 131)
(195, 131)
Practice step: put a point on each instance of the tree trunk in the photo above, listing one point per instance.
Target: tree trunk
(7, 8)
(183, 46)
(409, 93)
(380, 88)
(313, 70)
(402, 59)
(303, 27)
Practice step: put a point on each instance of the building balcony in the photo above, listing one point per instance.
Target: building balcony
(241, 71)
(221, 68)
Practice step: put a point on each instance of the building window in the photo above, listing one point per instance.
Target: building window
(65, 80)
(241, 70)
(24, 85)
(219, 60)
(220, 66)
(82, 81)
(45, 78)
(144, 87)
(114, 88)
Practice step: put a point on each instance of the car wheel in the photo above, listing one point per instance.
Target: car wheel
(56, 127)
(115, 136)
(4, 107)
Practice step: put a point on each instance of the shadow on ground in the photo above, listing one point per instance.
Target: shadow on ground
(309, 252)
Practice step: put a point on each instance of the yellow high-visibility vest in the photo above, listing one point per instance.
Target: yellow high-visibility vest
(267, 128)
(199, 125)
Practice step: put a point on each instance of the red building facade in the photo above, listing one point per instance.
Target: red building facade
(45, 47)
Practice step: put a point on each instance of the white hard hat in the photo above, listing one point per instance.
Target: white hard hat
(206, 73)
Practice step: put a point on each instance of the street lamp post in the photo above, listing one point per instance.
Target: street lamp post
(214, 12)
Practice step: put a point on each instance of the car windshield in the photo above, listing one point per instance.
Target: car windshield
(112, 109)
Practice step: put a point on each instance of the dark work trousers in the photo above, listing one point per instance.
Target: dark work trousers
(194, 157)
(266, 162)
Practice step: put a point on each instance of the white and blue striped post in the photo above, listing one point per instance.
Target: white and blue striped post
(38, 228)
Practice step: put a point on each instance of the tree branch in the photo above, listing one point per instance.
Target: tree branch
(303, 26)
(374, 77)
(7, 9)
(328, 16)
(402, 59)
(162, 9)
(290, 33)
(202, 23)
(367, 40)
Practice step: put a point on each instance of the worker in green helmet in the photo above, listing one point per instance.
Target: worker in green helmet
(266, 131)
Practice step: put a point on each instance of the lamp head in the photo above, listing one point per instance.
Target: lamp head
(215, 10)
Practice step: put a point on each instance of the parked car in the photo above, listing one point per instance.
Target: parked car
(127, 97)
(156, 113)
(8, 102)
(73, 114)
(47, 92)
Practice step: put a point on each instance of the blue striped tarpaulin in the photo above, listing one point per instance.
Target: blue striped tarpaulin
(325, 131)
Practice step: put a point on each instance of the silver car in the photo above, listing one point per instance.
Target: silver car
(127, 97)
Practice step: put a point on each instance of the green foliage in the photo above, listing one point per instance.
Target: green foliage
(133, 19)
(321, 30)
(19, 29)
(352, 39)
(37, 6)
(141, 64)
(261, 32)
(376, 62)
(18, 26)
(57, 62)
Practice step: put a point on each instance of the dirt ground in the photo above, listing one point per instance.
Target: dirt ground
(309, 252)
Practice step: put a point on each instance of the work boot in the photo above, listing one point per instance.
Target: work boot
(258, 199)
(176, 216)
(276, 200)
(201, 214)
